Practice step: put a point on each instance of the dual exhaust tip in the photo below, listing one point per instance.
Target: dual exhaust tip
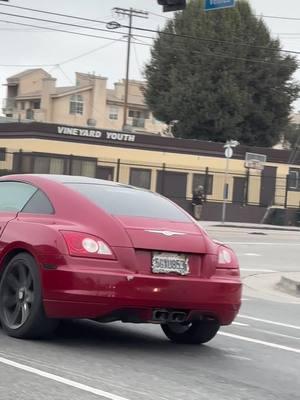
(166, 316)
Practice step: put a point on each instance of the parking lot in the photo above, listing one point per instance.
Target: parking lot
(257, 357)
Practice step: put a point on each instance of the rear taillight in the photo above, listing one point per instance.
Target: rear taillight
(227, 258)
(84, 245)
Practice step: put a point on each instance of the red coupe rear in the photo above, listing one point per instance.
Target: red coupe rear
(76, 247)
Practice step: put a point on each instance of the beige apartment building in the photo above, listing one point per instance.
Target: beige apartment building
(33, 95)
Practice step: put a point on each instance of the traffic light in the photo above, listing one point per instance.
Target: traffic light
(172, 5)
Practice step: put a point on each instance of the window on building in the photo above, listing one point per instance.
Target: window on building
(140, 178)
(36, 104)
(83, 167)
(113, 113)
(294, 179)
(203, 180)
(143, 114)
(76, 104)
(2, 153)
(14, 195)
(38, 204)
(22, 105)
(53, 164)
(138, 117)
(48, 165)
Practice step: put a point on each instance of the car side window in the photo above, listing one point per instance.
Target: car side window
(14, 195)
(38, 204)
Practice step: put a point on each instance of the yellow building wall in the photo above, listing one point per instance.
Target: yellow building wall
(154, 160)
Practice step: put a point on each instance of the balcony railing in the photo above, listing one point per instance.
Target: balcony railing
(9, 104)
(138, 122)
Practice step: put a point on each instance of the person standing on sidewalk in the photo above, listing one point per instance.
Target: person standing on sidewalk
(197, 201)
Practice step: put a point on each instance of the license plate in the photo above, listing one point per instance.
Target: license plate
(166, 263)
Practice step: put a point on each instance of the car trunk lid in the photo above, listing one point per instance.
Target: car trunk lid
(164, 235)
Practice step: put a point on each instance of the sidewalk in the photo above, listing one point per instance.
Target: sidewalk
(275, 286)
(290, 283)
(245, 225)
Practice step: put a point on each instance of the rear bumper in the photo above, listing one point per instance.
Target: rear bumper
(93, 293)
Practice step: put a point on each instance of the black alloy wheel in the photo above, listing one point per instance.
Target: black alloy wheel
(195, 332)
(21, 307)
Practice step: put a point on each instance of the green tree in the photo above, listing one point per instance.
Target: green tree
(232, 82)
(291, 136)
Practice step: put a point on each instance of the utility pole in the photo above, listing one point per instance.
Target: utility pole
(131, 13)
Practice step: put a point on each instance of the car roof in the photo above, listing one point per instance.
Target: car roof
(62, 179)
(65, 179)
(75, 179)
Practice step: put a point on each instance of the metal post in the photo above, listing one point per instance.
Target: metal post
(246, 199)
(118, 170)
(163, 179)
(286, 191)
(225, 191)
(206, 184)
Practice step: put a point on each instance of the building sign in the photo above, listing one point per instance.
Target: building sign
(98, 134)
(217, 4)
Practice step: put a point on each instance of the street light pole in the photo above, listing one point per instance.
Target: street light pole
(230, 144)
(225, 191)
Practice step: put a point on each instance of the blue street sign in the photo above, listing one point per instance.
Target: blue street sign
(217, 4)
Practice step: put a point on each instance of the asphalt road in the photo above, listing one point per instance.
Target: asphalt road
(258, 357)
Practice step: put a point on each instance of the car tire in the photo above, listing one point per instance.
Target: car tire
(196, 332)
(22, 313)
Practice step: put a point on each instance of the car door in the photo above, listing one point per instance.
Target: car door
(13, 197)
(5, 217)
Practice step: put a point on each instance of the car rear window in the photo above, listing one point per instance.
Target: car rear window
(126, 201)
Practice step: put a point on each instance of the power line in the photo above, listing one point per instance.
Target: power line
(237, 43)
(71, 32)
(54, 13)
(279, 17)
(87, 53)
(139, 42)
(142, 29)
(59, 22)
(27, 65)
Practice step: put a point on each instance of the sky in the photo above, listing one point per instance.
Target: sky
(26, 46)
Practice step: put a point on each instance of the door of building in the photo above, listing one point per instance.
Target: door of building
(172, 185)
(268, 186)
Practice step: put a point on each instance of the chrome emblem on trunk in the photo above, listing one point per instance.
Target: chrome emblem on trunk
(165, 233)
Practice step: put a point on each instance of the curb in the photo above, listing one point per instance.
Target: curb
(263, 227)
(289, 286)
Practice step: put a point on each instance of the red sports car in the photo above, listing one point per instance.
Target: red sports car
(77, 247)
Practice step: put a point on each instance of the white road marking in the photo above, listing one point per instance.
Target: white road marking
(262, 342)
(252, 255)
(267, 321)
(257, 270)
(239, 357)
(239, 324)
(265, 243)
(277, 334)
(62, 380)
(246, 299)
